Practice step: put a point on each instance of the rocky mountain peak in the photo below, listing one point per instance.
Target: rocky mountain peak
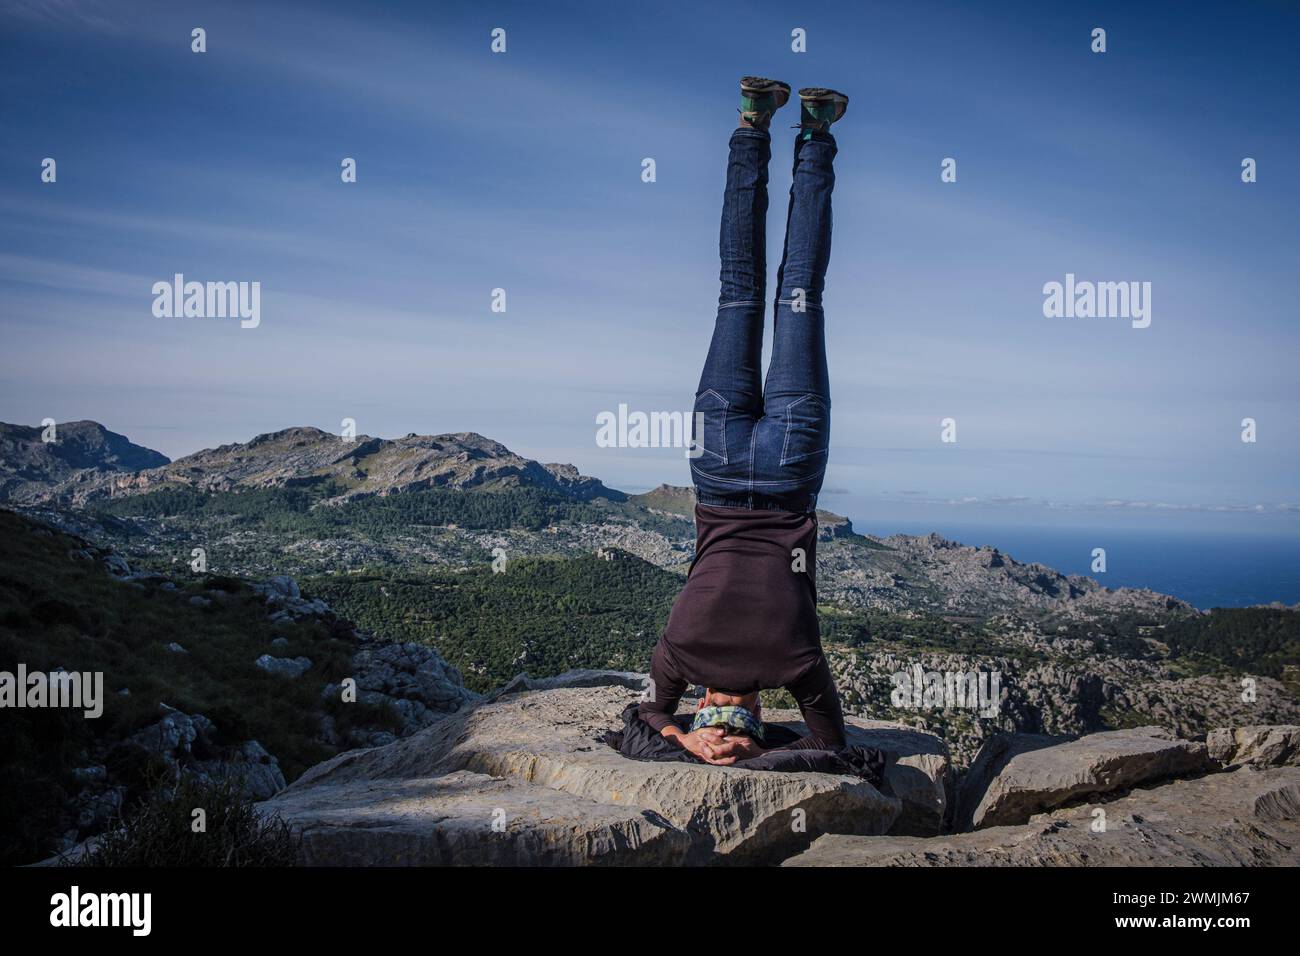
(91, 462)
(86, 447)
(297, 435)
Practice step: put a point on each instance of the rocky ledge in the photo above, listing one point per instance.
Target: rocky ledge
(524, 778)
(1247, 817)
(1017, 775)
(527, 779)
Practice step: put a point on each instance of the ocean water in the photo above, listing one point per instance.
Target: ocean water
(1206, 568)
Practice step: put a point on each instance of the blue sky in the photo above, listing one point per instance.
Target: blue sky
(522, 171)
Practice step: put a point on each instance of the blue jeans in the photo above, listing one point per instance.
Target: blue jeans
(764, 445)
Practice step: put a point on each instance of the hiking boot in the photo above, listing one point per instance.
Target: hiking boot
(819, 108)
(760, 98)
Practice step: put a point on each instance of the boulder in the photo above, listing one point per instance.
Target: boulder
(284, 666)
(1260, 746)
(411, 680)
(257, 772)
(549, 745)
(279, 588)
(410, 672)
(282, 593)
(178, 739)
(1247, 817)
(1029, 776)
(918, 772)
(173, 736)
(993, 755)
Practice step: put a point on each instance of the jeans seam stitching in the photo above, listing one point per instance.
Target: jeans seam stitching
(753, 436)
(726, 405)
(741, 481)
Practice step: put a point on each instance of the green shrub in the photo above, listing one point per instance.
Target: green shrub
(159, 831)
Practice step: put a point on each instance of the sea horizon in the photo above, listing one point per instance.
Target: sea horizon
(1207, 567)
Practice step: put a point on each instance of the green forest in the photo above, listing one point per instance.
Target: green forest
(540, 615)
(1257, 640)
(300, 510)
(925, 632)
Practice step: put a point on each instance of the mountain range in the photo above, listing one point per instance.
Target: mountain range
(317, 470)
(87, 462)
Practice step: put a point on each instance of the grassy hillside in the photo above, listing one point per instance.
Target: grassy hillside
(57, 611)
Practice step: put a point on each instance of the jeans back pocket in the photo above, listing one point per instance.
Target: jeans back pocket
(710, 409)
(807, 429)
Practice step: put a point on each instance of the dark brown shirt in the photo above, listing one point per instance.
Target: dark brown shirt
(747, 620)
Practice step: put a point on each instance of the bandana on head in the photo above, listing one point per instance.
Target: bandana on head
(738, 719)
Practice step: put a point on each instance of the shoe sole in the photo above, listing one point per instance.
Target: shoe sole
(761, 84)
(820, 94)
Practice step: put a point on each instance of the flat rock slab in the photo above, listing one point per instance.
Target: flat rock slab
(919, 772)
(1245, 817)
(992, 757)
(1022, 782)
(548, 744)
(470, 819)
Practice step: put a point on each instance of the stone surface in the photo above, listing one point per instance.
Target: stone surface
(174, 734)
(919, 772)
(1029, 778)
(257, 771)
(413, 680)
(471, 819)
(992, 757)
(1246, 817)
(410, 672)
(549, 744)
(282, 593)
(176, 738)
(575, 678)
(1260, 746)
